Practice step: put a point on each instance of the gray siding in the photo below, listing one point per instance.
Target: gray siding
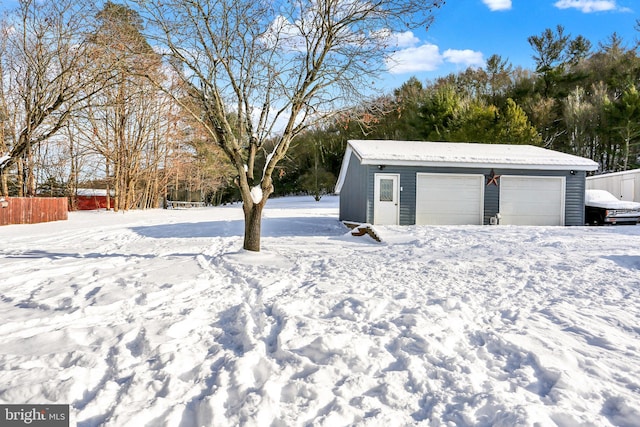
(574, 198)
(574, 192)
(491, 200)
(353, 195)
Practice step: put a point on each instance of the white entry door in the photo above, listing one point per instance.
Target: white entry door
(386, 206)
(628, 189)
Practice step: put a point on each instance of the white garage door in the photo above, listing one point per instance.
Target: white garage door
(448, 199)
(532, 200)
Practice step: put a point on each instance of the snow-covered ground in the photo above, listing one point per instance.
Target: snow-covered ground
(158, 318)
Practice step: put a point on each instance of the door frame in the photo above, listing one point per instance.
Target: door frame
(376, 196)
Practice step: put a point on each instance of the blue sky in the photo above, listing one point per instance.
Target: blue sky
(467, 32)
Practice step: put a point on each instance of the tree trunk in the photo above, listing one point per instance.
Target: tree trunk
(252, 224)
(627, 147)
(31, 175)
(4, 185)
(108, 186)
(20, 163)
(72, 186)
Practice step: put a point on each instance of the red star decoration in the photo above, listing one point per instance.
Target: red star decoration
(493, 178)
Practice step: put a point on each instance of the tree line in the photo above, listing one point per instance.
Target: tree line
(78, 110)
(580, 99)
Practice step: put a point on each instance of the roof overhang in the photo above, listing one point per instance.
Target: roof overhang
(343, 169)
(480, 165)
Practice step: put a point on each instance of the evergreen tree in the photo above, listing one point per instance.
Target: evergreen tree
(440, 112)
(514, 126)
(625, 121)
(550, 56)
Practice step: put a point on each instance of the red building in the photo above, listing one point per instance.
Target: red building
(89, 199)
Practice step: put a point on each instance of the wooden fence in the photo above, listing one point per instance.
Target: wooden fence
(31, 210)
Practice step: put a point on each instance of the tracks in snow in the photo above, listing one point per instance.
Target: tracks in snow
(246, 350)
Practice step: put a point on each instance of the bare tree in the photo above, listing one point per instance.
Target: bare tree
(255, 70)
(124, 115)
(44, 56)
(5, 120)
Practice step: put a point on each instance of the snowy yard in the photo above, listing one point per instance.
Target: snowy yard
(158, 318)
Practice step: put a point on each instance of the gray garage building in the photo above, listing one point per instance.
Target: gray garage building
(440, 183)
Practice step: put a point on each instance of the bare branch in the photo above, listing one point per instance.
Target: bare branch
(258, 70)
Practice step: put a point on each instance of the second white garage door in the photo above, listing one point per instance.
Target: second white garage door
(532, 200)
(449, 199)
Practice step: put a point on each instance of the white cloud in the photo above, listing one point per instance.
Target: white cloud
(588, 6)
(498, 4)
(427, 57)
(405, 39)
(465, 57)
(415, 59)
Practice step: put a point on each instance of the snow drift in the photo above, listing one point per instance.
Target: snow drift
(158, 318)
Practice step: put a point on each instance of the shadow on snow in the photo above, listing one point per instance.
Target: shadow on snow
(271, 227)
